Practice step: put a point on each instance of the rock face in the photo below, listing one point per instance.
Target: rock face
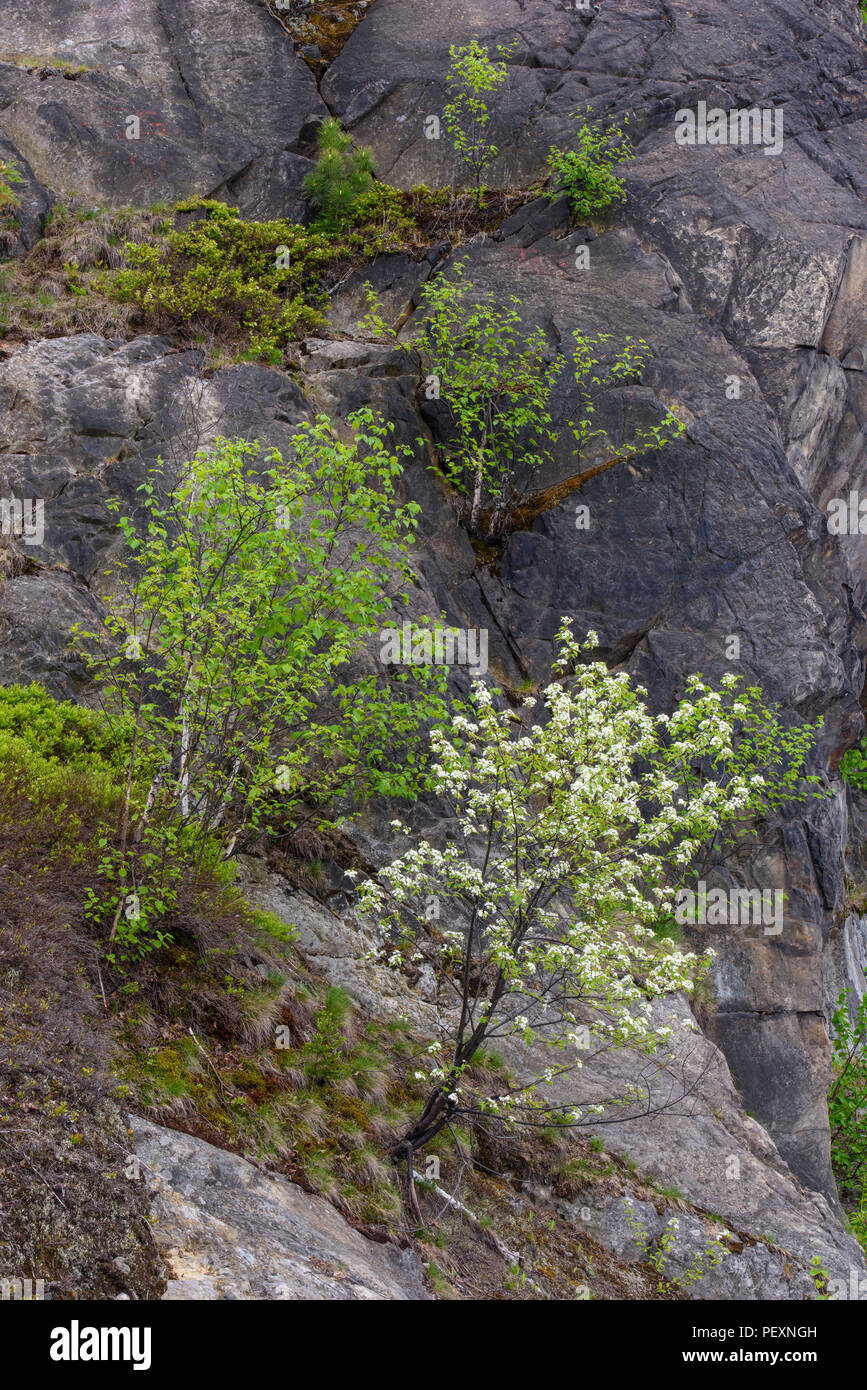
(84, 419)
(746, 272)
(218, 93)
(227, 1230)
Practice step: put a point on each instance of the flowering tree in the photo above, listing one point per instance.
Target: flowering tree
(574, 834)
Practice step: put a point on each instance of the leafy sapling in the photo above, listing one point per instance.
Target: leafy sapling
(473, 79)
(497, 382)
(586, 173)
(853, 767)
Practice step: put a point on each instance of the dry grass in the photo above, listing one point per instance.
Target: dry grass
(45, 64)
(56, 290)
(455, 216)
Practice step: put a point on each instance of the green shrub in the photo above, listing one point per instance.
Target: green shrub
(257, 280)
(8, 175)
(249, 288)
(586, 174)
(48, 790)
(847, 1099)
(342, 175)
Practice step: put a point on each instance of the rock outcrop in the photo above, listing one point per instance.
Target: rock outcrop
(219, 96)
(228, 1230)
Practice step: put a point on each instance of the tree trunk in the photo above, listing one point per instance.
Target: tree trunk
(476, 509)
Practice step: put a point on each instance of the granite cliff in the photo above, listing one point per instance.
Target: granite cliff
(745, 270)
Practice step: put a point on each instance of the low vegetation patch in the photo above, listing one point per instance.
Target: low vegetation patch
(497, 383)
(245, 590)
(201, 273)
(45, 65)
(847, 1109)
(58, 288)
(220, 275)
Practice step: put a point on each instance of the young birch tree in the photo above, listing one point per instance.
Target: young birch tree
(497, 382)
(472, 77)
(236, 608)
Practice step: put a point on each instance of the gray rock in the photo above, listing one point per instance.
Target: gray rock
(271, 187)
(732, 264)
(216, 87)
(228, 1230)
(542, 217)
(24, 225)
(396, 280)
